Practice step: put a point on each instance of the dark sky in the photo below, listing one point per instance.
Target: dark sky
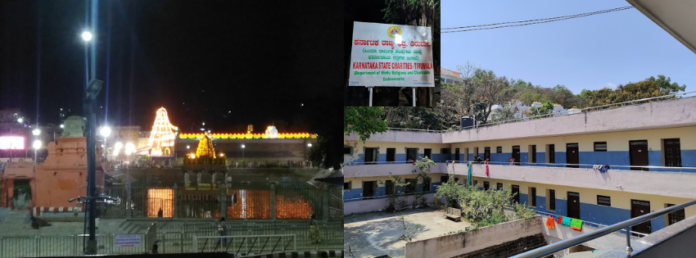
(198, 59)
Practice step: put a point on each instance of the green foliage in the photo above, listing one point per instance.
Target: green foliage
(364, 121)
(647, 88)
(395, 200)
(450, 190)
(480, 207)
(452, 232)
(410, 232)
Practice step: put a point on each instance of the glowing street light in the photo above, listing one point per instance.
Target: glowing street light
(62, 126)
(105, 131)
(19, 120)
(309, 145)
(222, 154)
(86, 36)
(36, 132)
(243, 146)
(243, 150)
(37, 144)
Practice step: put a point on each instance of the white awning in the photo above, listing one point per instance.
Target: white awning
(674, 16)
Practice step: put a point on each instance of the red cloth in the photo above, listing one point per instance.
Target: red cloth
(549, 222)
(486, 169)
(560, 218)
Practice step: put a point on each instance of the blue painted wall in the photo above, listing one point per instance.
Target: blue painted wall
(688, 158)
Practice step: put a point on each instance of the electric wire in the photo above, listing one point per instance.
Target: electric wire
(530, 22)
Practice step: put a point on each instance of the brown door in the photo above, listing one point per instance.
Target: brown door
(572, 155)
(516, 193)
(574, 205)
(487, 153)
(369, 189)
(370, 155)
(456, 154)
(516, 155)
(552, 153)
(639, 208)
(532, 157)
(672, 153)
(638, 154)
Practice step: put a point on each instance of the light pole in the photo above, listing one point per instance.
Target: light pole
(104, 131)
(243, 150)
(89, 106)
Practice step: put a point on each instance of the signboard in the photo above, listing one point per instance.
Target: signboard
(391, 55)
(127, 240)
(11, 143)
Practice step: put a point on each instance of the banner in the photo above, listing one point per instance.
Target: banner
(127, 240)
(386, 55)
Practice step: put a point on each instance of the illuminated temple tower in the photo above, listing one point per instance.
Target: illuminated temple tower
(205, 147)
(161, 142)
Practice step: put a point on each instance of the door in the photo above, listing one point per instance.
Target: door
(369, 189)
(638, 154)
(552, 153)
(370, 155)
(639, 208)
(456, 154)
(552, 200)
(487, 153)
(574, 205)
(428, 153)
(672, 153)
(486, 185)
(516, 155)
(532, 157)
(516, 193)
(411, 155)
(572, 155)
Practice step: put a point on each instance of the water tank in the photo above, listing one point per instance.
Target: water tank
(466, 123)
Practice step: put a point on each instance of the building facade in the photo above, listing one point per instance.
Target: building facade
(559, 162)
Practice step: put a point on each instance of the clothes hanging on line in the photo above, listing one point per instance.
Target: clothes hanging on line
(576, 224)
(604, 169)
(549, 222)
(566, 222)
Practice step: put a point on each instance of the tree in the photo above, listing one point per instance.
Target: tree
(504, 113)
(365, 121)
(647, 88)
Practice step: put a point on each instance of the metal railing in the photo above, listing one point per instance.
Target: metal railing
(589, 223)
(582, 166)
(416, 130)
(558, 246)
(65, 245)
(256, 244)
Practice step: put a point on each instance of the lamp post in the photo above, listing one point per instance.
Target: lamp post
(243, 150)
(89, 106)
(104, 131)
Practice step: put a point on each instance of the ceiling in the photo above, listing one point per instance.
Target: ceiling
(677, 17)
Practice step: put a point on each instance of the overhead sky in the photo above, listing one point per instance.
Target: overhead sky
(226, 63)
(593, 52)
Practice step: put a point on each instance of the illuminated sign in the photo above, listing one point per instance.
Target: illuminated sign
(11, 143)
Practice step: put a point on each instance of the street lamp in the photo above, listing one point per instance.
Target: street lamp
(36, 132)
(86, 36)
(309, 145)
(105, 131)
(188, 147)
(243, 150)
(36, 145)
(19, 120)
(62, 126)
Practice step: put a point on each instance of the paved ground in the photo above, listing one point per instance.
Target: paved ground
(375, 234)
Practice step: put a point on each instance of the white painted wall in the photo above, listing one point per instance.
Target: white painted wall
(646, 182)
(377, 204)
(660, 114)
(400, 136)
(387, 170)
(470, 241)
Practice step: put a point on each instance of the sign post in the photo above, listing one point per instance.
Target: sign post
(389, 55)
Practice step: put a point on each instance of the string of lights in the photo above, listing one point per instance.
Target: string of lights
(529, 22)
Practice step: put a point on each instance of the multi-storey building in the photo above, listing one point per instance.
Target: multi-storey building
(650, 150)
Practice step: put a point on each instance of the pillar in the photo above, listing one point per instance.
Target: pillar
(325, 204)
(174, 205)
(187, 181)
(198, 179)
(273, 197)
(223, 199)
(129, 202)
(212, 182)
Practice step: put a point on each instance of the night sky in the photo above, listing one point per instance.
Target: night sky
(198, 59)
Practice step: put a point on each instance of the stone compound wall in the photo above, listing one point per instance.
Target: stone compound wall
(515, 235)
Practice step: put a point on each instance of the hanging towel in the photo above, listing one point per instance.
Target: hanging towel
(486, 169)
(566, 222)
(576, 224)
(468, 174)
(560, 218)
(549, 222)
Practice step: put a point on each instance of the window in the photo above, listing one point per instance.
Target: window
(486, 185)
(551, 150)
(499, 186)
(456, 154)
(532, 154)
(444, 179)
(551, 194)
(391, 154)
(499, 149)
(475, 182)
(370, 155)
(476, 153)
(532, 196)
(672, 153)
(426, 184)
(487, 153)
(444, 151)
(411, 155)
(389, 187)
(675, 217)
(600, 146)
(347, 150)
(411, 187)
(369, 189)
(603, 200)
(347, 185)
(428, 154)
